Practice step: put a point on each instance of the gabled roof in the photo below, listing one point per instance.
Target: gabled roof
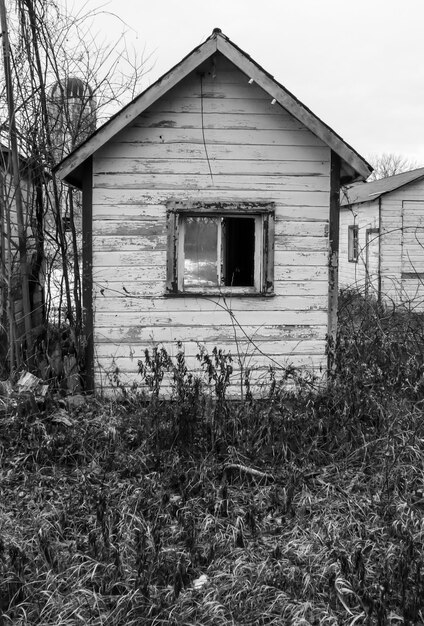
(354, 167)
(367, 192)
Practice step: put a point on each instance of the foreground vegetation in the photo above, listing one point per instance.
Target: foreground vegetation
(304, 508)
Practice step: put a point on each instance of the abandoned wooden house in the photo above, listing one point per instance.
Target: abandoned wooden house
(382, 238)
(210, 216)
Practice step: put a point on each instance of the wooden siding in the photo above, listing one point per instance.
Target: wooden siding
(11, 255)
(401, 240)
(365, 216)
(256, 152)
(399, 210)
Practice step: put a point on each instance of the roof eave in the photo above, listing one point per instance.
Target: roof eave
(67, 169)
(359, 168)
(377, 195)
(354, 167)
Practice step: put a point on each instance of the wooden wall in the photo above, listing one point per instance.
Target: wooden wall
(401, 245)
(256, 152)
(365, 216)
(11, 272)
(400, 211)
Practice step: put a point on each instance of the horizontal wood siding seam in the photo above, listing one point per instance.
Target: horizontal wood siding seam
(245, 182)
(259, 369)
(146, 335)
(130, 243)
(207, 306)
(148, 211)
(214, 136)
(310, 201)
(218, 121)
(246, 349)
(147, 257)
(150, 229)
(217, 151)
(172, 319)
(221, 167)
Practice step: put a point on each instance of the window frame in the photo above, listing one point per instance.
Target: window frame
(353, 243)
(264, 214)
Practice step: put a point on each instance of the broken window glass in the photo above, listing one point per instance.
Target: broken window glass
(201, 252)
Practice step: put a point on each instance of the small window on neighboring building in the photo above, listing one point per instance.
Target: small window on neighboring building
(353, 245)
(213, 248)
(66, 224)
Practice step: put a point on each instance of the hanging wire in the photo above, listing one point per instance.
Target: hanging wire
(203, 127)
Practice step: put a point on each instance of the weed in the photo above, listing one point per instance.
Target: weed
(298, 507)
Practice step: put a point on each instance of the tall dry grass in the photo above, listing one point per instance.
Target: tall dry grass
(303, 508)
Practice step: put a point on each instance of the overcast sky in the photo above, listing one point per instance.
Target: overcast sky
(358, 65)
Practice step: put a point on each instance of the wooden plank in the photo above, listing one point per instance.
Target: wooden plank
(129, 275)
(110, 303)
(134, 228)
(306, 227)
(178, 150)
(212, 120)
(142, 228)
(211, 90)
(158, 257)
(142, 165)
(173, 319)
(137, 211)
(211, 334)
(230, 106)
(238, 181)
(297, 242)
(292, 199)
(301, 258)
(126, 243)
(104, 209)
(150, 282)
(236, 137)
(306, 273)
(127, 259)
(246, 351)
(261, 369)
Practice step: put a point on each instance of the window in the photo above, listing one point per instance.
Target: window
(66, 224)
(353, 244)
(220, 248)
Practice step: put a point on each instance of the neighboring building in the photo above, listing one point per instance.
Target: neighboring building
(11, 306)
(210, 215)
(382, 238)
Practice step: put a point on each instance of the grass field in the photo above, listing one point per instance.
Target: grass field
(303, 508)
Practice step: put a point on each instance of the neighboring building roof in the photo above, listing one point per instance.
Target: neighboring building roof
(354, 167)
(367, 192)
(5, 153)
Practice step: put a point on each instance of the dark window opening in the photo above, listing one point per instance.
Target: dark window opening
(67, 225)
(353, 243)
(239, 251)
